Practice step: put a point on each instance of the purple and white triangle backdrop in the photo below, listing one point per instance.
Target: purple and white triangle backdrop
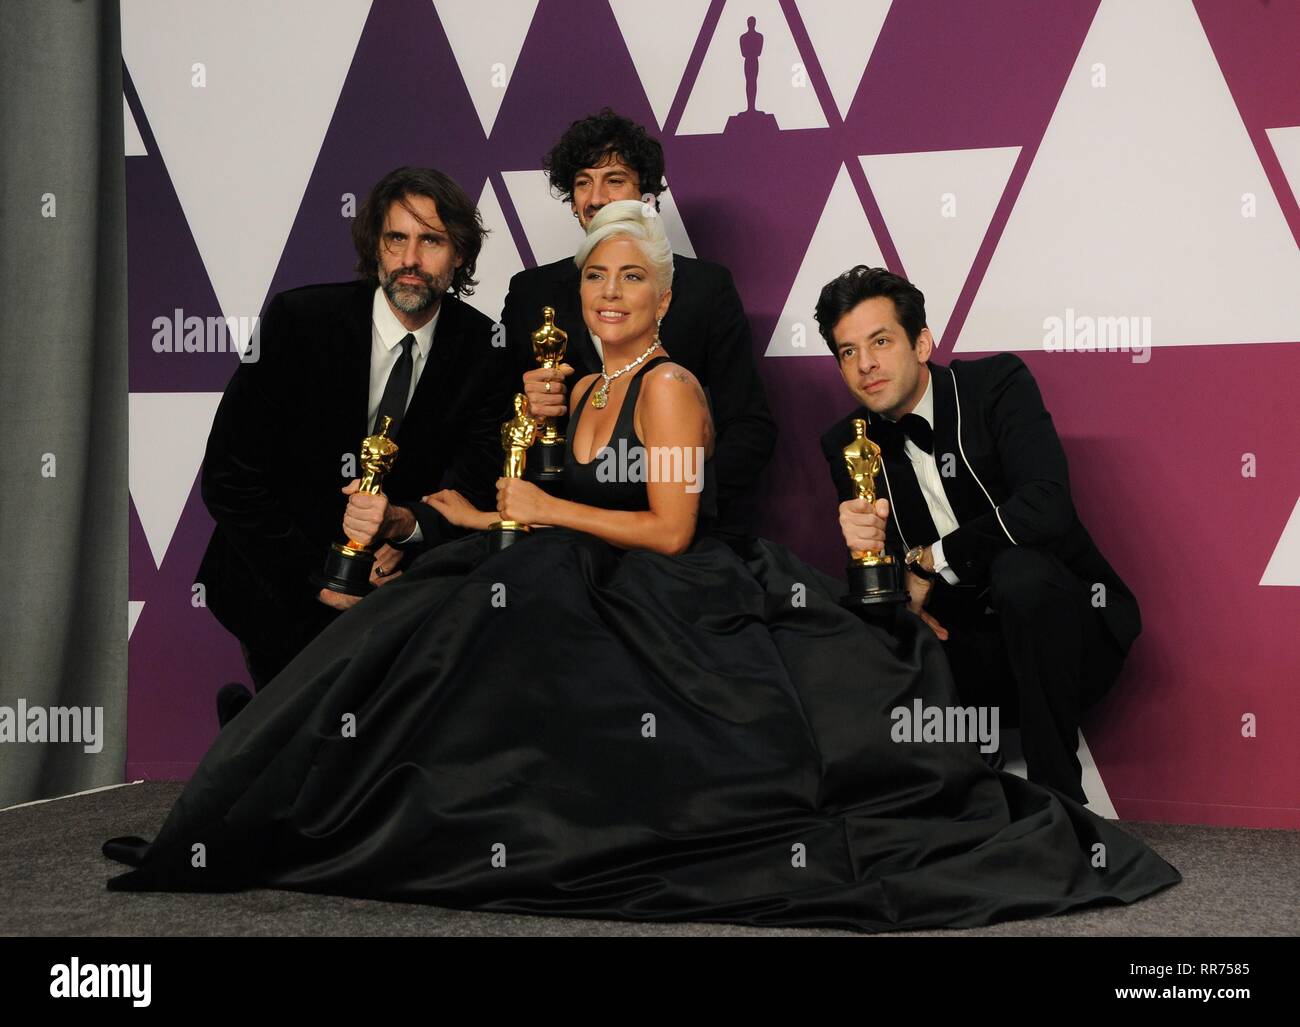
(1041, 170)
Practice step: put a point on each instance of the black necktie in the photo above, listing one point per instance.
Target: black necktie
(918, 429)
(393, 403)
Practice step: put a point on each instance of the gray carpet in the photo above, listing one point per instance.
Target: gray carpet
(52, 874)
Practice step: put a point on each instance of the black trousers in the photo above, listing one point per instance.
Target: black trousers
(1032, 644)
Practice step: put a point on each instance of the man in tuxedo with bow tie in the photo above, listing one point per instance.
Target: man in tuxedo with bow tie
(606, 157)
(335, 360)
(975, 505)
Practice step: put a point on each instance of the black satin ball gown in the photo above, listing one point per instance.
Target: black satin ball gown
(570, 729)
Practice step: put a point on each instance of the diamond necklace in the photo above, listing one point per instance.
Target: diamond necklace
(601, 395)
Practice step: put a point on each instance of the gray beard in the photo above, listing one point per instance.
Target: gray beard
(412, 299)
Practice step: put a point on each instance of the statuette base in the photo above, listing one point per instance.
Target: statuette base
(346, 570)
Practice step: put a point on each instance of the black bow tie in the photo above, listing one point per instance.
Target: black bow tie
(918, 429)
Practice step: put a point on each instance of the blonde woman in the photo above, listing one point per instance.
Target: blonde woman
(707, 737)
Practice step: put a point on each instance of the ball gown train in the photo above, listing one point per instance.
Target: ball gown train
(570, 729)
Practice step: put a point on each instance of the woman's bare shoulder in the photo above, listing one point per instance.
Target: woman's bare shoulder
(670, 378)
(671, 394)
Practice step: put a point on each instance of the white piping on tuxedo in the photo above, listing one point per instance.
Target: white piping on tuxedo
(996, 512)
(893, 508)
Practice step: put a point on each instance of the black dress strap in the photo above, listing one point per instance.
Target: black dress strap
(624, 425)
(629, 400)
(608, 479)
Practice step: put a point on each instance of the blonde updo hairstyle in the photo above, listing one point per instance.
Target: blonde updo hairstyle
(632, 219)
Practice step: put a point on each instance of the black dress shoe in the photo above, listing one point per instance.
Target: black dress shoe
(129, 849)
(231, 699)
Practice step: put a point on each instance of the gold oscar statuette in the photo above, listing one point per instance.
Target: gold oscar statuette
(517, 435)
(549, 344)
(873, 576)
(862, 458)
(348, 564)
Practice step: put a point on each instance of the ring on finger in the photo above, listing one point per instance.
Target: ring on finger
(548, 386)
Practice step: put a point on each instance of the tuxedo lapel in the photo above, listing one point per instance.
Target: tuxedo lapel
(897, 483)
(351, 366)
(964, 495)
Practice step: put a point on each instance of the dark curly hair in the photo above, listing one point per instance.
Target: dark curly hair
(590, 142)
(456, 210)
(843, 293)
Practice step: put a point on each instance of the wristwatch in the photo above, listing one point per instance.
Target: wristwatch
(913, 562)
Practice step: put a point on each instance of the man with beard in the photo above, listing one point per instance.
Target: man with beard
(280, 472)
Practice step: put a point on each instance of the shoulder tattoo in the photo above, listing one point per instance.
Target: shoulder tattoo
(680, 375)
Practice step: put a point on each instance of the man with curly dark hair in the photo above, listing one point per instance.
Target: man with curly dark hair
(604, 149)
(279, 474)
(607, 157)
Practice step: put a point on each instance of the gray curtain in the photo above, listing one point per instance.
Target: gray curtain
(63, 396)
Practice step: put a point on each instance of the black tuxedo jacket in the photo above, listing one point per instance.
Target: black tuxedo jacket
(705, 330)
(1010, 484)
(275, 459)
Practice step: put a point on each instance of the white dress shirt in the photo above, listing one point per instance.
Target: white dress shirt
(386, 338)
(926, 466)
